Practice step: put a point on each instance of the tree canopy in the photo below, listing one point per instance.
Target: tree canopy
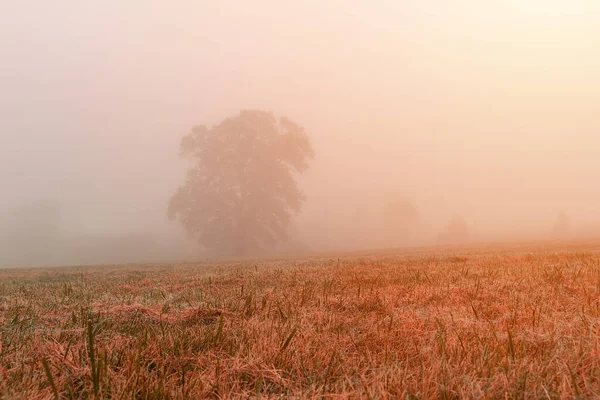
(241, 191)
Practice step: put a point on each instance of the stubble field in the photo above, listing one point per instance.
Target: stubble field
(517, 321)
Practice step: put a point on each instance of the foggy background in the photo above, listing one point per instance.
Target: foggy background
(487, 110)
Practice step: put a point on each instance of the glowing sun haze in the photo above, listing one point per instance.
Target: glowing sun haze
(487, 109)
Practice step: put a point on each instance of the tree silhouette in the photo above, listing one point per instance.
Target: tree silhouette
(241, 192)
(30, 234)
(456, 231)
(561, 225)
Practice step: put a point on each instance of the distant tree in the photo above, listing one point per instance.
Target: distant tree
(241, 191)
(456, 231)
(561, 226)
(401, 218)
(30, 233)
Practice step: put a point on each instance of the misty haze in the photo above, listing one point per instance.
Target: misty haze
(261, 176)
(401, 103)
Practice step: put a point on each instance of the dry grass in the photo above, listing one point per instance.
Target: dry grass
(520, 322)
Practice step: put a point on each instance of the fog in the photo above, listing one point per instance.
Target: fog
(483, 110)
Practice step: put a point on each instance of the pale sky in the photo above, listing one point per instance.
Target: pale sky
(489, 109)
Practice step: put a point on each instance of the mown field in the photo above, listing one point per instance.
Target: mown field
(505, 322)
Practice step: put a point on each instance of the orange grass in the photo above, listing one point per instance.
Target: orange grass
(514, 322)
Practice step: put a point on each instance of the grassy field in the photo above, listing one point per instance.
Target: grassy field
(490, 322)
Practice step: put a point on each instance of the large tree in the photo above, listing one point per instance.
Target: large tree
(241, 192)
